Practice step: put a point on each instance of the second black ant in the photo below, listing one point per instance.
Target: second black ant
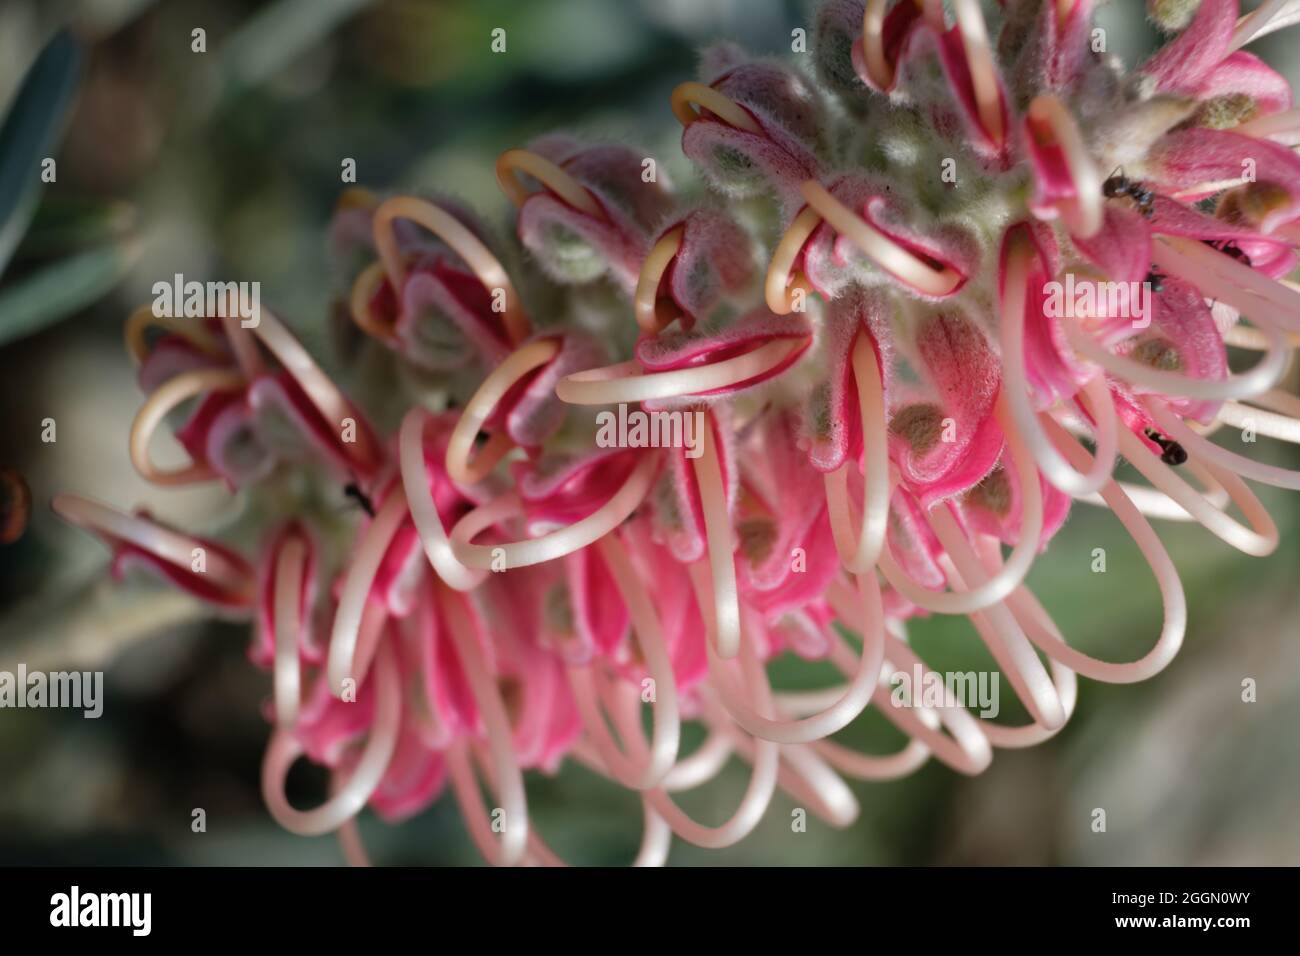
(1118, 185)
(353, 490)
(1171, 453)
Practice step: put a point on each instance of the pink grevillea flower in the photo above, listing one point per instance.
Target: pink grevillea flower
(1003, 262)
(257, 398)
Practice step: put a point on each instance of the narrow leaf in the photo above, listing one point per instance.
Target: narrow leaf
(30, 132)
(61, 289)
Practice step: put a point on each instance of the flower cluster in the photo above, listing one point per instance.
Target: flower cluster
(865, 310)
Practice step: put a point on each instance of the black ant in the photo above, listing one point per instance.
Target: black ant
(1171, 453)
(1229, 248)
(1120, 185)
(353, 491)
(1156, 279)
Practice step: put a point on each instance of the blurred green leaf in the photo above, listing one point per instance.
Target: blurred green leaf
(278, 33)
(63, 224)
(90, 622)
(61, 289)
(29, 133)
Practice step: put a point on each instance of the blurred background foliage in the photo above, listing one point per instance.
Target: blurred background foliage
(226, 164)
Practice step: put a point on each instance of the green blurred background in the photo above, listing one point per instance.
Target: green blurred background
(226, 163)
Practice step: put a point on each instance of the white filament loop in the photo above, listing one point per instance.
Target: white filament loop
(428, 523)
(1022, 555)
(666, 736)
(1015, 386)
(349, 799)
(719, 539)
(1001, 632)
(159, 405)
(196, 334)
(357, 582)
(876, 246)
(1259, 378)
(480, 407)
(873, 30)
(349, 834)
(555, 544)
(1172, 599)
(290, 566)
(1031, 620)
(1285, 123)
(654, 314)
(625, 383)
(1270, 15)
(873, 44)
(983, 71)
(859, 552)
(704, 765)
(780, 284)
(762, 782)
(809, 781)
(238, 583)
(1260, 539)
(705, 762)
(656, 839)
(329, 402)
(243, 345)
(461, 240)
(1274, 425)
(1203, 448)
(553, 177)
(687, 96)
(839, 714)
(1219, 275)
(502, 765)
(1084, 212)
(967, 750)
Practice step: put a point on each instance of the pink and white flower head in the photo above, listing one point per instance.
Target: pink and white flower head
(1003, 262)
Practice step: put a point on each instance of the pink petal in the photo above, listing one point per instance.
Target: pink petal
(912, 543)
(1181, 65)
(832, 262)
(447, 319)
(558, 491)
(1183, 337)
(282, 393)
(328, 726)
(128, 556)
(785, 107)
(600, 616)
(833, 423)
(414, 779)
(964, 374)
(790, 514)
(675, 349)
(993, 507)
(679, 614)
(1246, 73)
(678, 512)
(903, 24)
(613, 244)
(262, 650)
(713, 260)
(803, 630)
(533, 412)
(952, 55)
(1122, 248)
(169, 356)
(1190, 157)
(1049, 367)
